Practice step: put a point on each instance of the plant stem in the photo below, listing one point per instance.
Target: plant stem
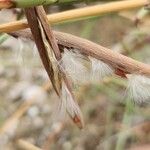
(30, 3)
(23, 3)
(88, 48)
(79, 13)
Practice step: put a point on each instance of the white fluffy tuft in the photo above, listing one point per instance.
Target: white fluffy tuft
(84, 69)
(68, 105)
(139, 88)
(75, 65)
(19, 52)
(100, 70)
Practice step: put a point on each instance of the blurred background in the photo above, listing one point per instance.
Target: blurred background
(28, 103)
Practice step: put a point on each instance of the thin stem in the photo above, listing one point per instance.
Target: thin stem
(79, 13)
(88, 48)
(23, 3)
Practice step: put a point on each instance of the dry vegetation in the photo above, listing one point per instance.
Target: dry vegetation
(29, 105)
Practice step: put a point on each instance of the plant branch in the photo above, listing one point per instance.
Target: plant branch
(88, 48)
(79, 13)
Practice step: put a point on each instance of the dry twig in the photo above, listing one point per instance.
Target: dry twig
(88, 48)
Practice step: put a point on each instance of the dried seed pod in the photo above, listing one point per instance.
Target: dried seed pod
(59, 77)
(69, 105)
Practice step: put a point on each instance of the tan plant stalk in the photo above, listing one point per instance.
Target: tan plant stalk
(26, 145)
(79, 13)
(88, 48)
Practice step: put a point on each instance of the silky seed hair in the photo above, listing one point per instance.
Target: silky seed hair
(19, 52)
(68, 105)
(139, 88)
(100, 70)
(83, 69)
(22, 48)
(76, 65)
